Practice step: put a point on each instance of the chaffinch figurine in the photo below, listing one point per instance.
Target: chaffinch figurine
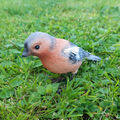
(57, 55)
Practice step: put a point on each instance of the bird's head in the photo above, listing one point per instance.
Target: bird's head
(38, 43)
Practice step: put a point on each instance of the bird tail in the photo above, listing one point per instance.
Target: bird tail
(93, 58)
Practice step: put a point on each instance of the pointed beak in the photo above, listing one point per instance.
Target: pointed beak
(25, 53)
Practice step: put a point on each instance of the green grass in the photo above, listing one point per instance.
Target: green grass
(26, 90)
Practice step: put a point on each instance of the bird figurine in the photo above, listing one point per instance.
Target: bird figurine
(57, 55)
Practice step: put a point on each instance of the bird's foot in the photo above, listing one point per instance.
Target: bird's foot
(57, 80)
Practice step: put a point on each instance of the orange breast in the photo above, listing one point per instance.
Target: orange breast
(55, 62)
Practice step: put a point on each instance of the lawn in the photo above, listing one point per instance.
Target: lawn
(26, 88)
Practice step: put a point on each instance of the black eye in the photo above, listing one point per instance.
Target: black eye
(37, 47)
